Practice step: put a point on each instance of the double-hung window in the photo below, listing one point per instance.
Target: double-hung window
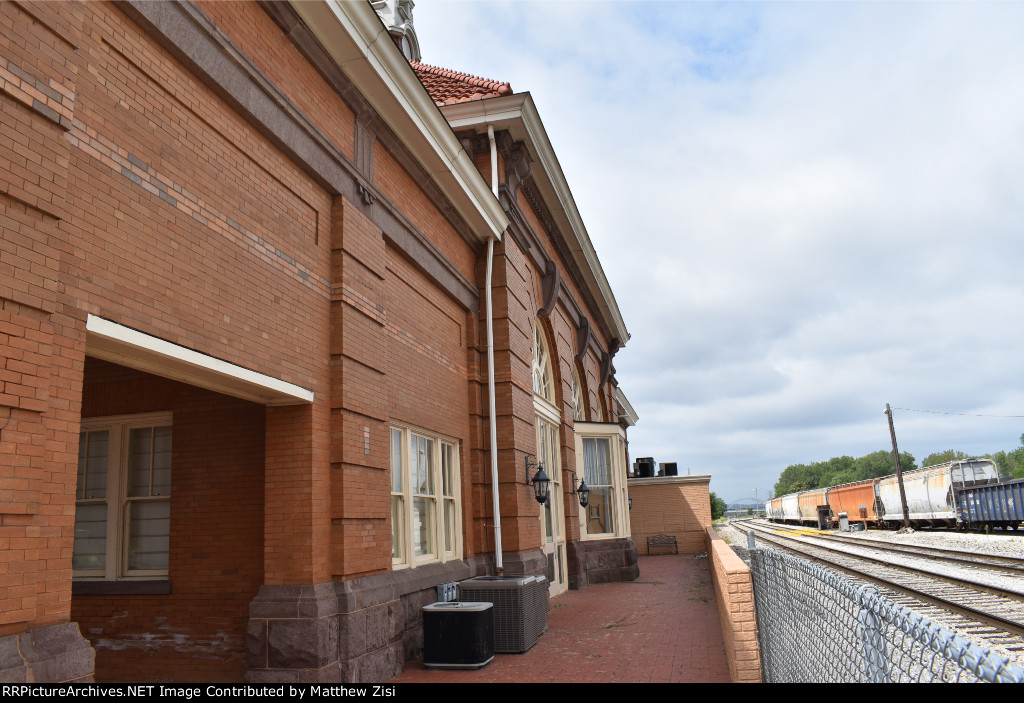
(426, 521)
(601, 452)
(123, 498)
(597, 471)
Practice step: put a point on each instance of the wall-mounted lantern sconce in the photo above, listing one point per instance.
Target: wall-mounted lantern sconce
(630, 501)
(583, 492)
(540, 481)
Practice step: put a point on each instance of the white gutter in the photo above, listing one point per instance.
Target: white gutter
(627, 410)
(518, 114)
(490, 368)
(355, 38)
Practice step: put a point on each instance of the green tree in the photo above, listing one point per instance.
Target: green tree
(798, 477)
(880, 463)
(943, 457)
(718, 507)
(1010, 464)
(1003, 462)
(838, 470)
(1015, 460)
(842, 469)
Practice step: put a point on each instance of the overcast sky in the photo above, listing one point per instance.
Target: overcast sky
(806, 210)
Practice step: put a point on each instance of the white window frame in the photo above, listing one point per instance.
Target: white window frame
(543, 374)
(444, 453)
(549, 419)
(579, 406)
(616, 437)
(116, 498)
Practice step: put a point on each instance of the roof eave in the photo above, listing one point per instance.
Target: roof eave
(359, 44)
(518, 113)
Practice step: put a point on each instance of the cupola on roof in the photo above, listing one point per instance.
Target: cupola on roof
(397, 18)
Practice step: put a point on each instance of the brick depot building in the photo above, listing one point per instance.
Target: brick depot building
(244, 396)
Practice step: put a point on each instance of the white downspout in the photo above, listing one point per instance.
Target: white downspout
(490, 367)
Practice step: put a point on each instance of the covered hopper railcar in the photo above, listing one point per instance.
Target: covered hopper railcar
(813, 507)
(929, 491)
(856, 499)
(791, 508)
(940, 495)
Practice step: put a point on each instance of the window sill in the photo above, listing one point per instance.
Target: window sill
(600, 536)
(398, 566)
(121, 588)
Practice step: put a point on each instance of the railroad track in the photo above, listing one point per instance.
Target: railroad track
(991, 615)
(960, 558)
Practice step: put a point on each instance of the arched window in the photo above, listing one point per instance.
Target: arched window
(542, 384)
(579, 408)
(549, 421)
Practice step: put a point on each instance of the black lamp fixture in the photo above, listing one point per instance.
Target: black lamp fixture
(583, 492)
(630, 497)
(540, 481)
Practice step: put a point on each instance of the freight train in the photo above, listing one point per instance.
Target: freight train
(967, 494)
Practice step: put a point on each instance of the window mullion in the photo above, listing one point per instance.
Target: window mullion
(440, 524)
(114, 502)
(407, 455)
(152, 456)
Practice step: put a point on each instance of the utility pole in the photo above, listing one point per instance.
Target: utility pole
(899, 472)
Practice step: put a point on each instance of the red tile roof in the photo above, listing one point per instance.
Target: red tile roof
(447, 87)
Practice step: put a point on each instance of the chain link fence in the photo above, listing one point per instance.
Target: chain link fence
(816, 626)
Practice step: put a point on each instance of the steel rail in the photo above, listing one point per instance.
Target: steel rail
(984, 561)
(1010, 626)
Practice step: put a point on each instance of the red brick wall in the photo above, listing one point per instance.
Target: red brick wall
(360, 488)
(426, 361)
(131, 191)
(399, 350)
(679, 507)
(256, 34)
(187, 224)
(399, 187)
(41, 341)
(216, 545)
(734, 593)
(591, 364)
(514, 315)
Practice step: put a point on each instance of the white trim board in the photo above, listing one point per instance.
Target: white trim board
(128, 347)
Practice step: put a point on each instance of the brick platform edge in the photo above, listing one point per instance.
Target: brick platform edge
(54, 654)
(734, 592)
(601, 561)
(357, 631)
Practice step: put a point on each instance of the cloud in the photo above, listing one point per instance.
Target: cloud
(805, 210)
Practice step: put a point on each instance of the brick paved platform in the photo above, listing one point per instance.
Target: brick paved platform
(663, 627)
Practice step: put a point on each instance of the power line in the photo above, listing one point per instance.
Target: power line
(943, 412)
